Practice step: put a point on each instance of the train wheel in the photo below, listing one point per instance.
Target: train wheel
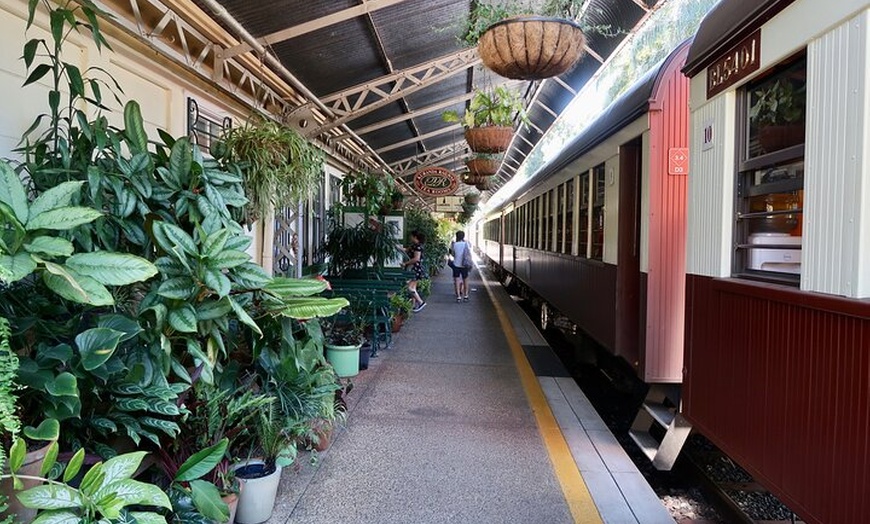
(545, 316)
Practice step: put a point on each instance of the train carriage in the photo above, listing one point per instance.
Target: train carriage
(778, 325)
(599, 235)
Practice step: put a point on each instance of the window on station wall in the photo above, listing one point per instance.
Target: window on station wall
(560, 219)
(204, 127)
(597, 227)
(770, 180)
(569, 216)
(583, 229)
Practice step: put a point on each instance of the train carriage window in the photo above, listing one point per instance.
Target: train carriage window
(560, 219)
(769, 207)
(538, 201)
(584, 215)
(548, 221)
(569, 216)
(598, 213)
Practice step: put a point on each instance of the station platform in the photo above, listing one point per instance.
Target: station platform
(468, 418)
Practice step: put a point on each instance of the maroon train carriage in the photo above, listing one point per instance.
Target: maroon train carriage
(599, 235)
(778, 292)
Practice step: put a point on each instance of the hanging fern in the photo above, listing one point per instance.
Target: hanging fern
(281, 167)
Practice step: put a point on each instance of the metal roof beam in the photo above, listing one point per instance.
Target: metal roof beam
(413, 114)
(366, 8)
(357, 101)
(448, 152)
(437, 132)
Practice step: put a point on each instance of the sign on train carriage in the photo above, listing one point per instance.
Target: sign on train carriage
(435, 181)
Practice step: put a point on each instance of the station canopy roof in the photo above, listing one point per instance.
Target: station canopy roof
(367, 78)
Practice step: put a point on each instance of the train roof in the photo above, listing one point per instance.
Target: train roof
(729, 22)
(630, 106)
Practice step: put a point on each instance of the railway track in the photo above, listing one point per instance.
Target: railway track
(737, 497)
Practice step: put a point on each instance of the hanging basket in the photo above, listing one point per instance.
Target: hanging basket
(473, 180)
(482, 166)
(485, 184)
(531, 47)
(472, 198)
(489, 139)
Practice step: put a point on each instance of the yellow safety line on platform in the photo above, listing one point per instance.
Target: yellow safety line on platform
(573, 487)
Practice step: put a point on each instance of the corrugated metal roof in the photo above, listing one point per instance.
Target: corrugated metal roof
(395, 36)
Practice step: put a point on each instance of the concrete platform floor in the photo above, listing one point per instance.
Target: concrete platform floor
(439, 431)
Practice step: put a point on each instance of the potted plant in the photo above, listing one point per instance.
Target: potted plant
(260, 477)
(370, 191)
(280, 166)
(520, 46)
(343, 338)
(400, 306)
(489, 119)
(483, 165)
(777, 113)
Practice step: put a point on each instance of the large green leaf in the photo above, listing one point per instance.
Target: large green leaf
(97, 345)
(14, 268)
(121, 467)
(58, 196)
(243, 315)
(78, 288)
(210, 310)
(63, 385)
(183, 319)
(58, 517)
(172, 238)
(217, 281)
(202, 462)
(295, 287)
(134, 128)
(48, 429)
(112, 269)
(147, 517)
(63, 218)
(50, 246)
(178, 288)
(207, 500)
(215, 242)
(227, 259)
(51, 496)
(181, 159)
(250, 276)
(311, 307)
(135, 492)
(12, 192)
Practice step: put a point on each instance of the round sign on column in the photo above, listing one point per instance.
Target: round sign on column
(435, 181)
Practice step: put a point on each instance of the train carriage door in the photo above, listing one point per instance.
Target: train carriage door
(628, 292)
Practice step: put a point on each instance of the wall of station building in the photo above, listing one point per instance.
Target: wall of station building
(161, 89)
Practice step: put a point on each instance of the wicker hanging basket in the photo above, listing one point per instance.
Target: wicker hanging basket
(473, 180)
(485, 184)
(482, 166)
(531, 47)
(489, 139)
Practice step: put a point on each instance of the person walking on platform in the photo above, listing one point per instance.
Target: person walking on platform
(415, 254)
(461, 263)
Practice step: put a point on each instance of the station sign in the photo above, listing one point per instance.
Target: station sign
(435, 181)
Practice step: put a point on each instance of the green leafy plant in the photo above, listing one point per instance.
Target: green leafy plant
(369, 243)
(497, 107)
(193, 498)
(29, 243)
(106, 493)
(370, 191)
(778, 103)
(281, 167)
(401, 304)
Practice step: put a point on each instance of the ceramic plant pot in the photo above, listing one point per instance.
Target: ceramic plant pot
(344, 359)
(259, 489)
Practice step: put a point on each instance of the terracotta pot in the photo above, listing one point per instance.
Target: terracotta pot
(482, 166)
(531, 47)
(32, 465)
(398, 322)
(231, 500)
(489, 139)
